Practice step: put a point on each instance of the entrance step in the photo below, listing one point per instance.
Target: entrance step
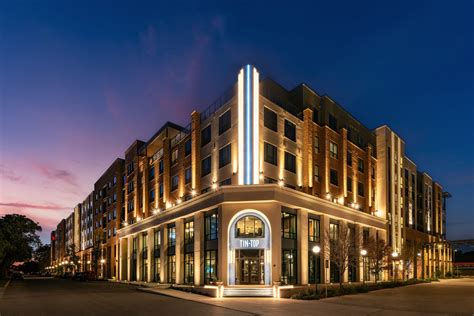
(248, 292)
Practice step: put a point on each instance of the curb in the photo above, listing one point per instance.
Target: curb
(4, 288)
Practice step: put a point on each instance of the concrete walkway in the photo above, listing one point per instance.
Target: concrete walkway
(447, 297)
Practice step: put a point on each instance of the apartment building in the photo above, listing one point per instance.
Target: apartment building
(108, 196)
(86, 241)
(256, 184)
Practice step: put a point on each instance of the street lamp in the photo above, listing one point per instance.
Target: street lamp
(394, 256)
(363, 253)
(316, 251)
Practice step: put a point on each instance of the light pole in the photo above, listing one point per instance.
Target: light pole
(363, 253)
(394, 257)
(316, 251)
(102, 261)
(454, 262)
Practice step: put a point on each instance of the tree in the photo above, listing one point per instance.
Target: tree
(42, 255)
(377, 254)
(18, 239)
(340, 244)
(407, 257)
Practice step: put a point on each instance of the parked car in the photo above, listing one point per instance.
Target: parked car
(66, 275)
(18, 275)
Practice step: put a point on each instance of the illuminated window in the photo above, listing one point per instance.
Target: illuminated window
(333, 150)
(313, 229)
(249, 227)
(174, 156)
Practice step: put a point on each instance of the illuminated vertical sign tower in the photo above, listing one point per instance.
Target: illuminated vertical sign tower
(248, 96)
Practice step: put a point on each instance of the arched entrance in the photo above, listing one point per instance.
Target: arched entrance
(249, 249)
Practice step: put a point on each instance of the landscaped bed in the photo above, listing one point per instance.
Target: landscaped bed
(347, 289)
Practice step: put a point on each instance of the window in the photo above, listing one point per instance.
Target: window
(172, 269)
(211, 226)
(115, 180)
(115, 196)
(270, 119)
(290, 130)
(187, 148)
(333, 231)
(189, 233)
(313, 229)
(332, 122)
(360, 165)
(227, 181)
(349, 158)
(171, 236)
(160, 166)
(315, 116)
(174, 182)
(187, 175)
(224, 156)
(290, 162)
(152, 196)
(130, 168)
(210, 266)
(270, 154)
(333, 150)
(189, 268)
(316, 173)
(288, 225)
(206, 166)
(224, 122)
(130, 186)
(288, 266)
(349, 184)
(174, 156)
(206, 135)
(360, 188)
(333, 178)
(249, 227)
(152, 173)
(160, 190)
(314, 267)
(316, 144)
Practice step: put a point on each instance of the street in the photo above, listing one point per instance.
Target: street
(57, 296)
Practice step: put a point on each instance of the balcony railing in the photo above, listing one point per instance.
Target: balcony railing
(217, 104)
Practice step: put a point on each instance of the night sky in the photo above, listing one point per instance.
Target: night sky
(79, 82)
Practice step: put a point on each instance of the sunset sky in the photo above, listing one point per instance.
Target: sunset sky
(80, 81)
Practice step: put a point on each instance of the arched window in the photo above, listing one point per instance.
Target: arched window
(249, 227)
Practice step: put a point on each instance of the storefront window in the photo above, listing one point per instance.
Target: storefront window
(314, 263)
(171, 236)
(288, 266)
(249, 227)
(172, 269)
(210, 266)
(189, 268)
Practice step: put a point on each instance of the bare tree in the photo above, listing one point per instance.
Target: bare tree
(341, 246)
(407, 258)
(377, 254)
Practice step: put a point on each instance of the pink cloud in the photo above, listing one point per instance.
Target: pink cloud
(55, 174)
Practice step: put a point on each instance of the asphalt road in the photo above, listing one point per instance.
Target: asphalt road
(67, 297)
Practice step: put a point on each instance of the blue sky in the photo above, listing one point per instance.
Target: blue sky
(79, 81)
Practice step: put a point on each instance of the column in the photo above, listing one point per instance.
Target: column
(307, 150)
(325, 255)
(150, 253)
(196, 151)
(163, 254)
(179, 251)
(359, 246)
(139, 237)
(343, 164)
(198, 248)
(166, 170)
(129, 258)
(302, 246)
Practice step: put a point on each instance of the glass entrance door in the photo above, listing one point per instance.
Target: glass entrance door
(250, 267)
